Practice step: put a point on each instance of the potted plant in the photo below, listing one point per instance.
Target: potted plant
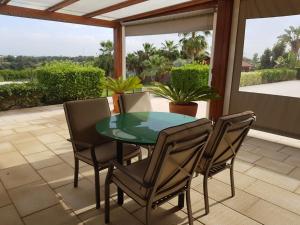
(120, 86)
(182, 101)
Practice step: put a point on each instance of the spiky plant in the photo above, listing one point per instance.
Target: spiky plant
(122, 85)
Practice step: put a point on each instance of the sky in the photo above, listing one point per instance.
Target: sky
(21, 36)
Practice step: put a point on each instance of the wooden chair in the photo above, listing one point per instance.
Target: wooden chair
(89, 146)
(227, 137)
(167, 173)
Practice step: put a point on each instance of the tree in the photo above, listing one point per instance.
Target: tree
(170, 50)
(265, 59)
(156, 67)
(194, 44)
(277, 51)
(292, 38)
(106, 58)
(255, 61)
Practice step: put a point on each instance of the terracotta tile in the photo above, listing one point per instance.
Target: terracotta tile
(55, 215)
(32, 197)
(57, 175)
(30, 147)
(4, 199)
(6, 147)
(275, 178)
(274, 165)
(18, 175)
(269, 214)
(275, 195)
(43, 159)
(9, 216)
(11, 159)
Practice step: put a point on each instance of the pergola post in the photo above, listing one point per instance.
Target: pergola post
(119, 52)
(221, 55)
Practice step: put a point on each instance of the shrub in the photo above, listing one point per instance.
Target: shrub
(22, 95)
(267, 76)
(17, 75)
(64, 81)
(190, 76)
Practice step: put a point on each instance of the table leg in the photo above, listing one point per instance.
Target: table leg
(181, 200)
(120, 160)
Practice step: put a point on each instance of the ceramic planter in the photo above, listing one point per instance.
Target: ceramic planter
(189, 109)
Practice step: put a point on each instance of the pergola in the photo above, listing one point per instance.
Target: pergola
(226, 17)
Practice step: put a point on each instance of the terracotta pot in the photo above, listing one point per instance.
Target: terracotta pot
(189, 109)
(115, 98)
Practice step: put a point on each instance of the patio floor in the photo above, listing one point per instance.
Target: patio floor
(36, 174)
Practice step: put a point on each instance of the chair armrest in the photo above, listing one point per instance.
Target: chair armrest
(124, 170)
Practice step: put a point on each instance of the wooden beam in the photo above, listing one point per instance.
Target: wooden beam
(61, 5)
(53, 16)
(114, 7)
(118, 51)
(221, 55)
(169, 10)
(4, 2)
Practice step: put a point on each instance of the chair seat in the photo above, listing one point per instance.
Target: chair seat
(130, 186)
(107, 152)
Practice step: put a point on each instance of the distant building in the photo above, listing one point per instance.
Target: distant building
(246, 67)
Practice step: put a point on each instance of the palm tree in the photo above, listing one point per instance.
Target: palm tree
(194, 44)
(105, 59)
(170, 50)
(292, 38)
(106, 48)
(149, 49)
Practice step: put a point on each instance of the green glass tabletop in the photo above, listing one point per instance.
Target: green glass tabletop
(140, 127)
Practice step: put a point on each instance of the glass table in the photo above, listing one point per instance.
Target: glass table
(141, 128)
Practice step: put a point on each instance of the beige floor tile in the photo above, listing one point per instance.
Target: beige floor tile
(264, 144)
(298, 190)
(30, 147)
(274, 165)
(275, 178)
(4, 199)
(58, 175)
(166, 214)
(69, 158)
(9, 216)
(270, 153)
(248, 156)
(291, 151)
(18, 175)
(6, 147)
(18, 138)
(241, 180)
(293, 160)
(119, 216)
(33, 197)
(80, 199)
(247, 147)
(220, 214)
(242, 166)
(43, 159)
(29, 128)
(269, 214)
(276, 195)
(11, 159)
(296, 174)
(47, 130)
(6, 132)
(50, 138)
(60, 147)
(55, 215)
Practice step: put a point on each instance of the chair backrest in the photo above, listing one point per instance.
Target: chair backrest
(82, 116)
(226, 139)
(135, 102)
(176, 156)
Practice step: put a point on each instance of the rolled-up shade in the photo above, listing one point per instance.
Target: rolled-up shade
(179, 23)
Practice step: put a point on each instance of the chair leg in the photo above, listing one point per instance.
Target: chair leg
(148, 214)
(181, 200)
(232, 181)
(107, 205)
(205, 190)
(128, 162)
(189, 206)
(76, 171)
(97, 187)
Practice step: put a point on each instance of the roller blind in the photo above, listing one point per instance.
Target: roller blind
(179, 23)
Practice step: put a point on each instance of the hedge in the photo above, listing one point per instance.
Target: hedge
(13, 96)
(17, 75)
(189, 76)
(64, 81)
(267, 76)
